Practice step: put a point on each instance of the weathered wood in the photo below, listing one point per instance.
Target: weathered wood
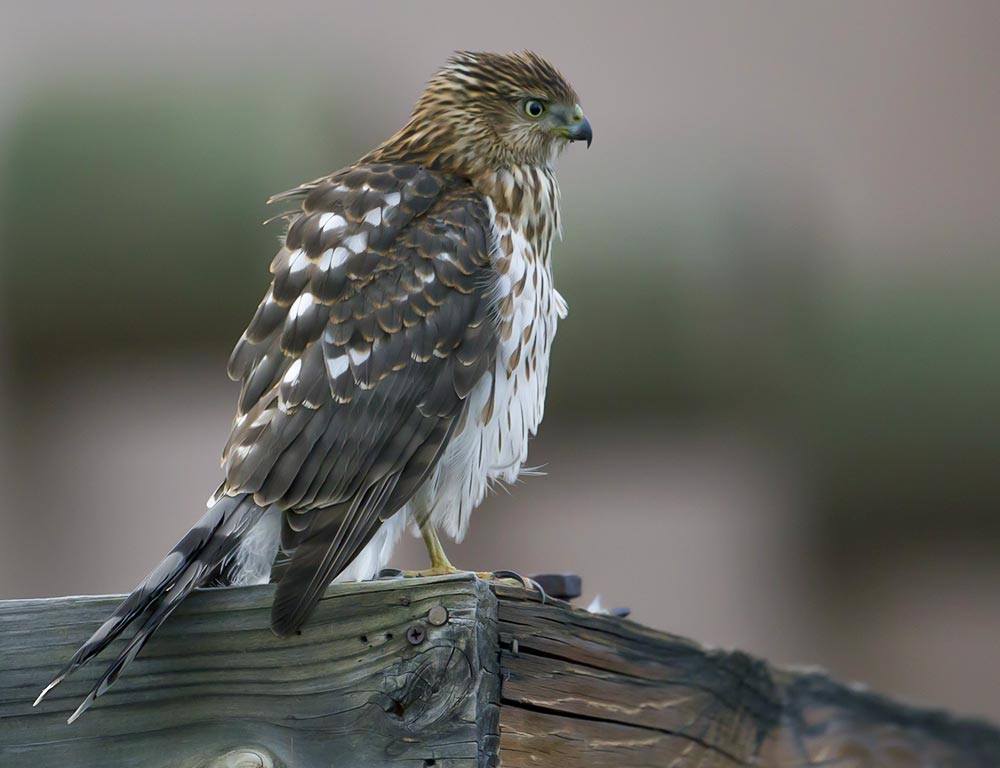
(442, 672)
(351, 690)
(596, 691)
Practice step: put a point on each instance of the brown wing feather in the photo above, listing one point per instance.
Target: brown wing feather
(358, 362)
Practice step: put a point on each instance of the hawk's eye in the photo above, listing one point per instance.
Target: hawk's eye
(534, 108)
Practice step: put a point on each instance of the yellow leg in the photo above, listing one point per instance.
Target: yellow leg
(440, 564)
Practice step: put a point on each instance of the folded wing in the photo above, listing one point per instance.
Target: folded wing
(357, 364)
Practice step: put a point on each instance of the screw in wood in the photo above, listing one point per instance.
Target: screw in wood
(437, 615)
(415, 634)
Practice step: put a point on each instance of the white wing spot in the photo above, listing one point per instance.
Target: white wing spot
(332, 258)
(357, 243)
(331, 221)
(335, 366)
(301, 305)
(358, 356)
(292, 374)
(374, 216)
(297, 261)
(392, 199)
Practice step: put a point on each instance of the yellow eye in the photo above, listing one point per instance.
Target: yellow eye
(534, 108)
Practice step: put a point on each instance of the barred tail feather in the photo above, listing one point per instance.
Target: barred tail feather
(189, 564)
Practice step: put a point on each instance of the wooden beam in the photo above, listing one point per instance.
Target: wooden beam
(444, 672)
(359, 687)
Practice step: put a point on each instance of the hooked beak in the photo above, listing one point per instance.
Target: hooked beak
(580, 131)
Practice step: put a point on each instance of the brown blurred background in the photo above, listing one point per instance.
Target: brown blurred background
(774, 413)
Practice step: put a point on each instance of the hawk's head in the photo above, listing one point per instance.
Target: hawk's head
(487, 111)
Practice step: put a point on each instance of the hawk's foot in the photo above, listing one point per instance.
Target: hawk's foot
(441, 566)
(512, 578)
(440, 569)
(508, 578)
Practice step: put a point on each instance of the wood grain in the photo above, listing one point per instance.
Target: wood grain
(449, 672)
(215, 686)
(579, 689)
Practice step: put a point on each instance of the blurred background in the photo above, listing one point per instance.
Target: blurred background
(788, 225)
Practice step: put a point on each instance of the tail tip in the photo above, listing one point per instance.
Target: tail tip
(84, 706)
(55, 681)
(285, 623)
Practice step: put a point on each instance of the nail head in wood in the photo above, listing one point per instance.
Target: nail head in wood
(438, 615)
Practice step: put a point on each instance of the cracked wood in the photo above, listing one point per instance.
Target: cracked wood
(216, 689)
(597, 691)
(448, 672)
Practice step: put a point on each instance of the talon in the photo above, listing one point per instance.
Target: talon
(526, 582)
(541, 591)
(497, 575)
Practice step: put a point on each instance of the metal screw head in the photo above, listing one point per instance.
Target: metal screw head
(438, 615)
(415, 634)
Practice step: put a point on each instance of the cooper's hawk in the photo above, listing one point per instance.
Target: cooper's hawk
(397, 363)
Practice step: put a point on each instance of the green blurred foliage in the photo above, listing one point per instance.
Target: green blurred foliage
(133, 223)
(903, 420)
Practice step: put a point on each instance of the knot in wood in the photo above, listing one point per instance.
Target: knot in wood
(421, 690)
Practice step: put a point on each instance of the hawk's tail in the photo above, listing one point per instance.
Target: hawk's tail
(190, 564)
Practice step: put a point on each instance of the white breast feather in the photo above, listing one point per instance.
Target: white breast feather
(496, 449)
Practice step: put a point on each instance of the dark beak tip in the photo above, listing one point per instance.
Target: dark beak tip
(582, 131)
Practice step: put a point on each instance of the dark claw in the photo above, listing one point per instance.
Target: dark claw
(390, 573)
(525, 582)
(541, 591)
(510, 575)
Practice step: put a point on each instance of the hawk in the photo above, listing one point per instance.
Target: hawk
(398, 362)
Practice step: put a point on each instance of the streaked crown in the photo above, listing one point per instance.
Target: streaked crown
(484, 112)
